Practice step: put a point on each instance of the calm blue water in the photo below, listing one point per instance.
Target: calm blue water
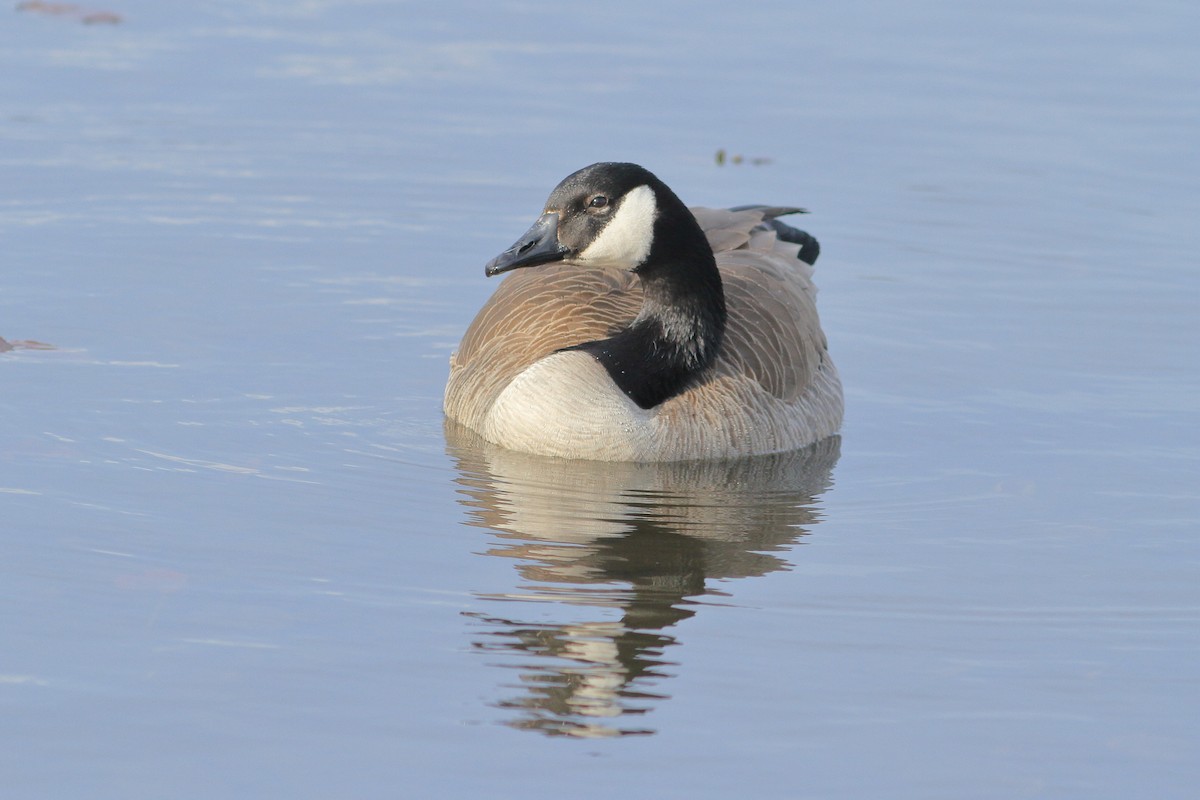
(241, 557)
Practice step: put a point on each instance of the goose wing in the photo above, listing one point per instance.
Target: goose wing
(774, 335)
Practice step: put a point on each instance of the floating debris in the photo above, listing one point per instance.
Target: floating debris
(23, 344)
(756, 161)
(87, 16)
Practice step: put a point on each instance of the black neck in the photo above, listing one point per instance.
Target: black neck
(678, 332)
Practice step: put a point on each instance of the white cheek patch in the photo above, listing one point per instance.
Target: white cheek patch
(625, 241)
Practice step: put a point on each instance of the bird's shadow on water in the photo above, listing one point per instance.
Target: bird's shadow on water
(610, 556)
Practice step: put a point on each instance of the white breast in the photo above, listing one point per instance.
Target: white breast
(566, 405)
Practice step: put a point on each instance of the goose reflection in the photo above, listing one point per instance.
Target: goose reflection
(613, 556)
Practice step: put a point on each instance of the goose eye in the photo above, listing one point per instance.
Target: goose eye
(599, 201)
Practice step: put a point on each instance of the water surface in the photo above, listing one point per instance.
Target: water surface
(242, 556)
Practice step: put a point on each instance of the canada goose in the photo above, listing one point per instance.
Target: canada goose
(652, 332)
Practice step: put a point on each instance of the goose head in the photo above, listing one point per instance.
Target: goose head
(606, 215)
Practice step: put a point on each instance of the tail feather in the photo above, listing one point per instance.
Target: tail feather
(810, 248)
